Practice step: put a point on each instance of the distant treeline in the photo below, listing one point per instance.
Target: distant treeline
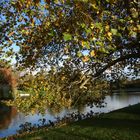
(125, 84)
(132, 84)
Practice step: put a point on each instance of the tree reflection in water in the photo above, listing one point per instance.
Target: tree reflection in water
(7, 113)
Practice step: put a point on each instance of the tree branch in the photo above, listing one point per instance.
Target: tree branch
(128, 56)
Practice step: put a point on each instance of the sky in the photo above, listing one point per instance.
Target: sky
(15, 49)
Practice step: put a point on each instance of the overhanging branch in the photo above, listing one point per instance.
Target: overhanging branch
(128, 56)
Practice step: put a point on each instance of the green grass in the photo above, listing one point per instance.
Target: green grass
(122, 124)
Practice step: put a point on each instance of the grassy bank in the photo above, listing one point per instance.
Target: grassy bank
(123, 124)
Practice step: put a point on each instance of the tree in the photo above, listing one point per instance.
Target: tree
(7, 83)
(60, 32)
(80, 43)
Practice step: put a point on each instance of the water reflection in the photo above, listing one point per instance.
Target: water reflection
(10, 119)
(7, 113)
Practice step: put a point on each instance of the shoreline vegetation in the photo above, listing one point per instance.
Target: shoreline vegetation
(121, 124)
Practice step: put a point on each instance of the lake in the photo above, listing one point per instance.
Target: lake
(11, 119)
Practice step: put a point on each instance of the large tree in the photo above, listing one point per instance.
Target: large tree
(77, 40)
(90, 35)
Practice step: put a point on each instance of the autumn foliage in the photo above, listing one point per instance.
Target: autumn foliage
(7, 78)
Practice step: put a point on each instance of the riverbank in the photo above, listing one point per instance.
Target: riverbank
(122, 124)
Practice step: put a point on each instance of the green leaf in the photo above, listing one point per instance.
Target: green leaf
(51, 33)
(88, 31)
(119, 34)
(99, 43)
(114, 31)
(102, 49)
(83, 25)
(98, 25)
(67, 36)
(79, 54)
(86, 44)
(122, 20)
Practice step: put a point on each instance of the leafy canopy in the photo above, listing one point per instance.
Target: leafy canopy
(53, 33)
(77, 40)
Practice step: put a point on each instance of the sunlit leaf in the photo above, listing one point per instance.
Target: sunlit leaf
(113, 31)
(107, 27)
(92, 53)
(109, 34)
(85, 59)
(79, 54)
(67, 36)
(10, 34)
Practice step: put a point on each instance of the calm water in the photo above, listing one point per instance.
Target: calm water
(10, 119)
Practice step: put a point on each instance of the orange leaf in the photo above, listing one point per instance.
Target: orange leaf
(11, 34)
(85, 58)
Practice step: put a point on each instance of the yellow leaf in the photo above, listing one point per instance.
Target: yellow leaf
(83, 43)
(32, 111)
(63, 78)
(107, 27)
(28, 3)
(92, 26)
(109, 34)
(92, 53)
(93, 38)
